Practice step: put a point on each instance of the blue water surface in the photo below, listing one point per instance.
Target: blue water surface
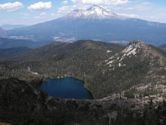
(69, 88)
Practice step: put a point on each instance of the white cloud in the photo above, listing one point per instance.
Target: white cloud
(43, 14)
(65, 9)
(65, 2)
(40, 5)
(101, 2)
(62, 11)
(11, 6)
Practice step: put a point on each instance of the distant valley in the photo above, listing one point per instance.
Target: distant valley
(163, 47)
(10, 27)
(3, 33)
(16, 43)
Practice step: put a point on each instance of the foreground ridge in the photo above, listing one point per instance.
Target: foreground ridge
(38, 109)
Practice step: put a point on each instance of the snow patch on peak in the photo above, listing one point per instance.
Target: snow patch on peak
(92, 12)
(100, 11)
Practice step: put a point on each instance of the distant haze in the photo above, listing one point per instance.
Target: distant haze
(96, 23)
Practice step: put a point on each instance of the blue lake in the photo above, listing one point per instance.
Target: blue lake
(69, 88)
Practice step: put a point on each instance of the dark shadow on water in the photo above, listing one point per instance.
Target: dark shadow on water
(68, 88)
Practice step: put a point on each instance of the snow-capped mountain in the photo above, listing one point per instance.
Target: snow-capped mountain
(94, 23)
(92, 12)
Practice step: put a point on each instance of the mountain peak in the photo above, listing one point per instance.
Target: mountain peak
(137, 47)
(138, 44)
(144, 50)
(93, 11)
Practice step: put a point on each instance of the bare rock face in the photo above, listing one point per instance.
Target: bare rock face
(138, 49)
(149, 51)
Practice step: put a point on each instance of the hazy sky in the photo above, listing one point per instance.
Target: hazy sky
(35, 11)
